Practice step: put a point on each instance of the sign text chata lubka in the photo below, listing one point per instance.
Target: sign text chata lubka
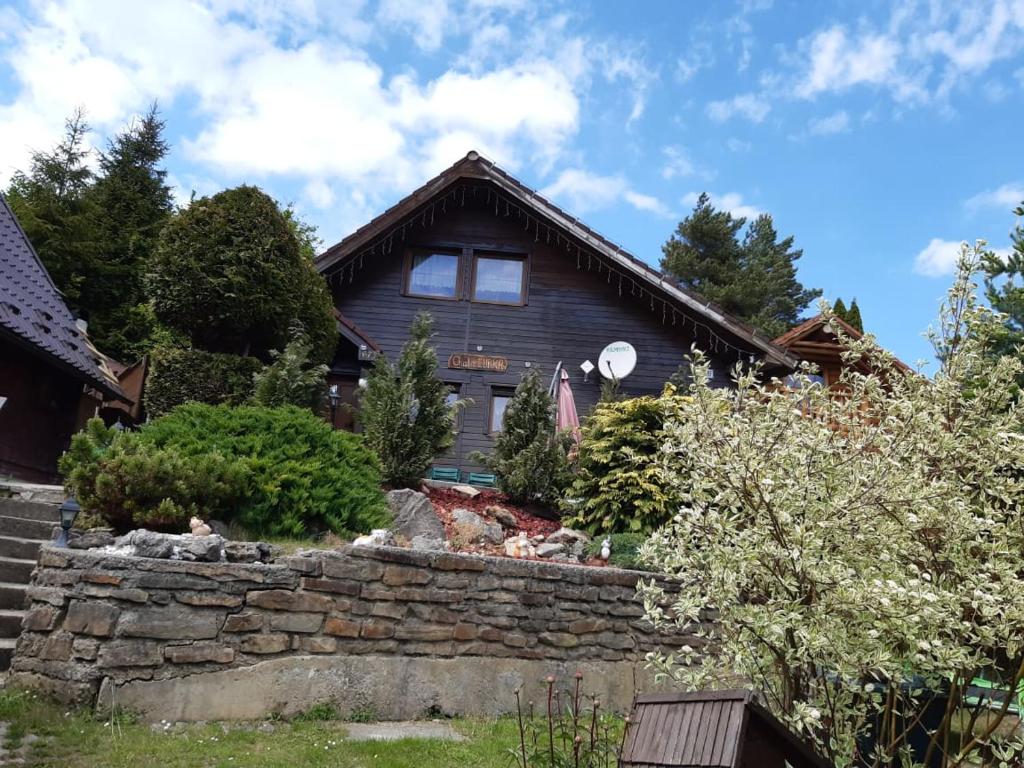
(465, 361)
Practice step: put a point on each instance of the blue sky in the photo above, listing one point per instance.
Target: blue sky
(879, 134)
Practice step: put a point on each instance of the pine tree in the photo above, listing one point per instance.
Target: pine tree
(404, 411)
(529, 459)
(133, 202)
(52, 204)
(753, 279)
(839, 309)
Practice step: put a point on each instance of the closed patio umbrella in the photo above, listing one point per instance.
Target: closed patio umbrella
(567, 417)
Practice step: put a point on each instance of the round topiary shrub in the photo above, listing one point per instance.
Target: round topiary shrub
(179, 376)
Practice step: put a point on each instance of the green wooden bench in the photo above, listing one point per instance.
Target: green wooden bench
(482, 480)
(444, 474)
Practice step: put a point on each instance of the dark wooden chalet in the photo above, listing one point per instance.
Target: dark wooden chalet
(513, 283)
(711, 729)
(50, 372)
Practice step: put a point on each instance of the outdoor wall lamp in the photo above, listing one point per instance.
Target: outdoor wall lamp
(334, 397)
(68, 512)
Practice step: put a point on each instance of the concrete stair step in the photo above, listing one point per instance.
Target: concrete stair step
(30, 510)
(16, 570)
(10, 623)
(25, 528)
(6, 652)
(23, 549)
(12, 596)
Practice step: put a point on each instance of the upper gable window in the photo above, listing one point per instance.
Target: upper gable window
(499, 279)
(434, 275)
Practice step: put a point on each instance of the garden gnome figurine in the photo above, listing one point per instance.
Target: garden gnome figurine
(199, 528)
(606, 549)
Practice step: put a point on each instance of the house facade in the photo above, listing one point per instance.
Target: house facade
(51, 377)
(513, 284)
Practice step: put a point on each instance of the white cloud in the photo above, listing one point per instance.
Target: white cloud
(836, 62)
(838, 122)
(748, 105)
(425, 20)
(730, 201)
(581, 191)
(313, 105)
(1006, 198)
(677, 162)
(319, 193)
(738, 145)
(939, 258)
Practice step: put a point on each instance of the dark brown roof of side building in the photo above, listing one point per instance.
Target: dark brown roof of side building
(33, 313)
(710, 729)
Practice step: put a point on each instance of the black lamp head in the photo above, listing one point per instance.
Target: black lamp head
(68, 512)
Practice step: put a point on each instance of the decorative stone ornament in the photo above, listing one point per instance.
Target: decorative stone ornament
(199, 528)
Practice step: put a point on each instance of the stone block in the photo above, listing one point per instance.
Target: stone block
(376, 630)
(308, 566)
(199, 653)
(50, 557)
(454, 562)
(171, 622)
(51, 595)
(42, 618)
(389, 610)
(400, 576)
(85, 648)
(515, 640)
(424, 633)
(415, 519)
(285, 600)
(243, 622)
(318, 644)
(266, 643)
(584, 626)
(465, 632)
(558, 639)
(129, 653)
(434, 613)
(341, 627)
(296, 622)
(209, 599)
(91, 618)
(334, 586)
(57, 647)
(128, 595)
(101, 577)
(350, 568)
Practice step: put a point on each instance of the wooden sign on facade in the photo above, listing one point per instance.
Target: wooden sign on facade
(464, 361)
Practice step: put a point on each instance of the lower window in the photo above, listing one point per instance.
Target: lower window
(500, 399)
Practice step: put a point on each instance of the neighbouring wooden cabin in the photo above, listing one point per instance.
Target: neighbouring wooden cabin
(711, 729)
(513, 283)
(815, 341)
(51, 376)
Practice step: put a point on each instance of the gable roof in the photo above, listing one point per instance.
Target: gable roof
(813, 340)
(33, 313)
(704, 729)
(475, 166)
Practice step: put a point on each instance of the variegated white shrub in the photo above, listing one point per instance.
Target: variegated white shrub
(858, 551)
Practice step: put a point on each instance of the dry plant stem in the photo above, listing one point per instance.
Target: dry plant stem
(551, 725)
(522, 731)
(975, 740)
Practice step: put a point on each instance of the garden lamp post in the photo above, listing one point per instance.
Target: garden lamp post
(68, 512)
(334, 397)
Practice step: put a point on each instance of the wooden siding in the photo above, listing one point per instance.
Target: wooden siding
(569, 316)
(39, 416)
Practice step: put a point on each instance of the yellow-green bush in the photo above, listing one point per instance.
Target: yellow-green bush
(621, 484)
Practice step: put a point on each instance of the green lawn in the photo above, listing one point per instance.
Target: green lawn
(76, 739)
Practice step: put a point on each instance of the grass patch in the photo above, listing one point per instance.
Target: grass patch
(75, 738)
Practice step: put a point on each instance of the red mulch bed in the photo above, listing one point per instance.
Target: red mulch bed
(446, 501)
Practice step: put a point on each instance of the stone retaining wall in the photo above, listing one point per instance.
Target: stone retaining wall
(399, 632)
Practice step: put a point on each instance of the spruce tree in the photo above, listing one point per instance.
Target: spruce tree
(853, 317)
(52, 205)
(529, 459)
(1004, 289)
(753, 279)
(132, 201)
(839, 309)
(406, 418)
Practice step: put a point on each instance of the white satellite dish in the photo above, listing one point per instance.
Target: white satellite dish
(617, 360)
